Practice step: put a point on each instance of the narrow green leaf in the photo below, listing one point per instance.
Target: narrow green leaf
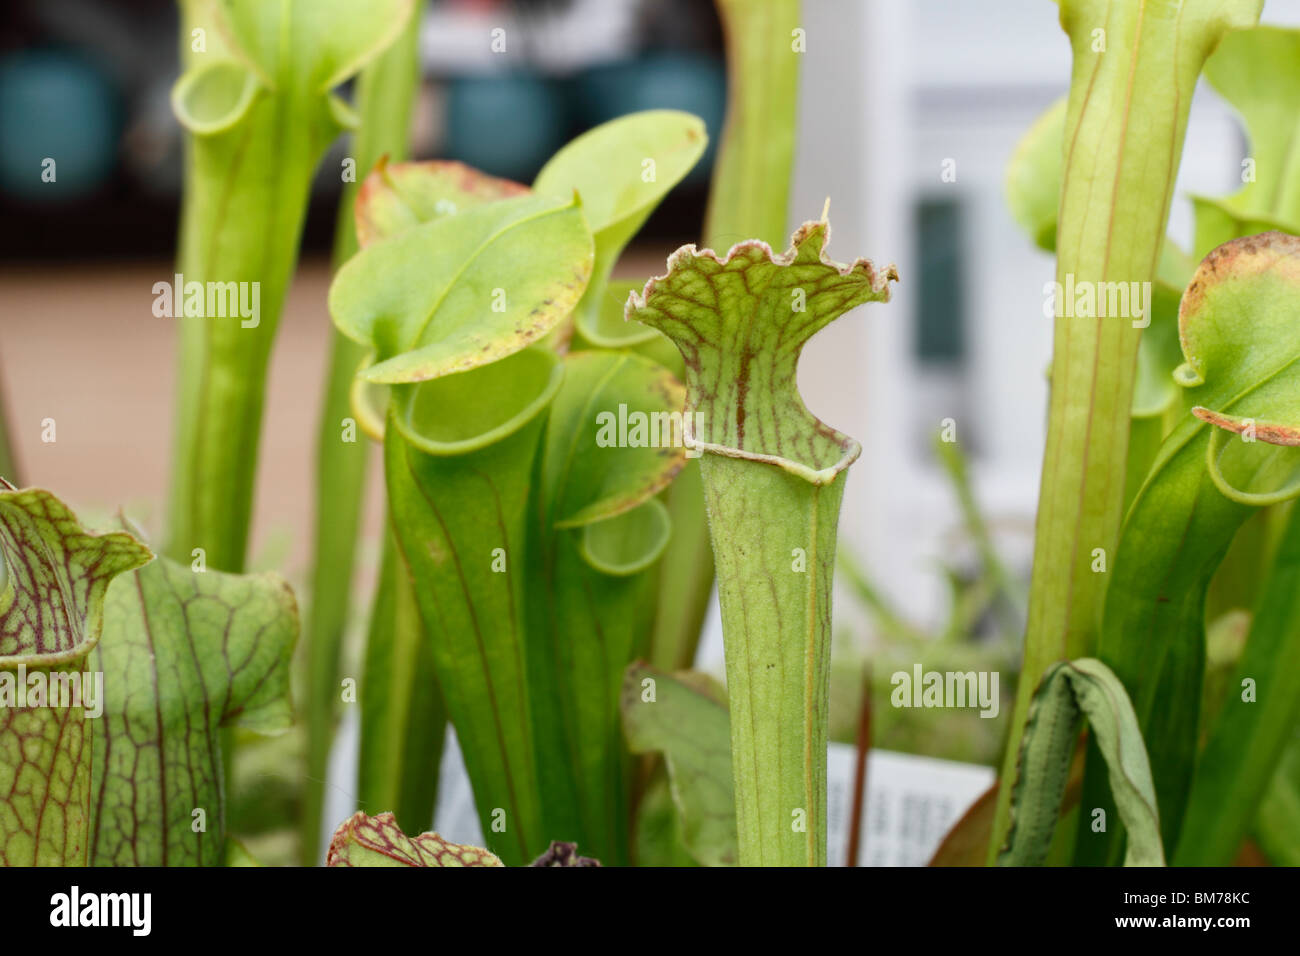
(184, 653)
(685, 575)
(1033, 194)
(1277, 826)
(773, 484)
(238, 855)
(1070, 690)
(54, 576)
(8, 452)
(1121, 157)
(1257, 721)
(1156, 397)
(749, 197)
(385, 96)
(403, 722)
(684, 717)
(1012, 591)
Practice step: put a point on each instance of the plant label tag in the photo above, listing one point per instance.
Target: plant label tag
(911, 804)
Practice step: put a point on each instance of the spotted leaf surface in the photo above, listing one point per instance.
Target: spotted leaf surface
(459, 292)
(741, 322)
(53, 578)
(184, 653)
(396, 196)
(378, 841)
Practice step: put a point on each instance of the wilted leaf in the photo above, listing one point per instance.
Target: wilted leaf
(1070, 690)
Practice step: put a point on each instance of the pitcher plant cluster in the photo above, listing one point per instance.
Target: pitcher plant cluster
(572, 462)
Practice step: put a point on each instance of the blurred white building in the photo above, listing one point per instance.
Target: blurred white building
(892, 89)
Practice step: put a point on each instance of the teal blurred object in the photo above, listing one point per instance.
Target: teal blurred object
(506, 125)
(696, 83)
(55, 104)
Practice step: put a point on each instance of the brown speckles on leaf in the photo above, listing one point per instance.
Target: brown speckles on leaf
(364, 840)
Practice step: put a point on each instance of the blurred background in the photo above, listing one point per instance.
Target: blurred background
(909, 110)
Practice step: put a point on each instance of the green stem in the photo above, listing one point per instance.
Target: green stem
(1011, 607)
(778, 641)
(223, 364)
(1130, 94)
(748, 199)
(385, 94)
(259, 123)
(402, 717)
(8, 458)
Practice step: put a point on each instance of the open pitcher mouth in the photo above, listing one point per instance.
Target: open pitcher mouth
(460, 413)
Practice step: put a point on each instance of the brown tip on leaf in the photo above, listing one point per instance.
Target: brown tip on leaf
(1270, 432)
(1235, 258)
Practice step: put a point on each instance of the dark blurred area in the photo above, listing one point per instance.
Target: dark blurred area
(86, 83)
